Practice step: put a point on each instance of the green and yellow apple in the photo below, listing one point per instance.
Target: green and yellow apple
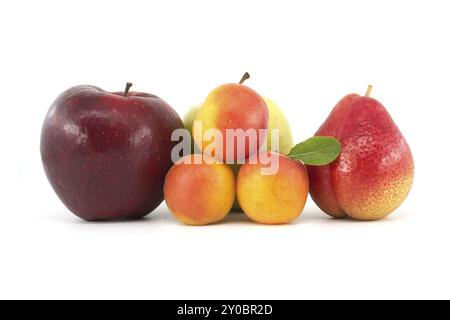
(278, 120)
(188, 121)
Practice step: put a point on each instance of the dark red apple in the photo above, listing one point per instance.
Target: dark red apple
(106, 154)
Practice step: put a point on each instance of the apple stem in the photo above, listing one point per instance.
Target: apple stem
(245, 77)
(369, 90)
(127, 89)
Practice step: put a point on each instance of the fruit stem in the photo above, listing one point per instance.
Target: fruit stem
(246, 76)
(369, 90)
(127, 89)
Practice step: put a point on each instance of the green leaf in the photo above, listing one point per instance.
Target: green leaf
(317, 151)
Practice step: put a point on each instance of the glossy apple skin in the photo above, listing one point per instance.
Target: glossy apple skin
(106, 155)
(232, 107)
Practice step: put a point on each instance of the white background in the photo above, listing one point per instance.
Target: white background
(305, 55)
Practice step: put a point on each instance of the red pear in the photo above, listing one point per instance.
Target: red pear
(375, 171)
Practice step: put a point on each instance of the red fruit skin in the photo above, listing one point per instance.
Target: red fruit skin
(242, 112)
(106, 155)
(245, 109)
(374, 173)
(321, 186)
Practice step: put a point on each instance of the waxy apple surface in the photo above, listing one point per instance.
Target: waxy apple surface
(106, 154)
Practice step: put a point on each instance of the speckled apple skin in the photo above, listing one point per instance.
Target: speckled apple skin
(233, 106)
(106, 155)
(375, 171)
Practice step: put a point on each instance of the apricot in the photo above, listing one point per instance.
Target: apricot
(276, 198)
(199, 190)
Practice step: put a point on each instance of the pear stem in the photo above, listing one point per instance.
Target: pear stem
(369, 90)
(127, 89)
(245, 77)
